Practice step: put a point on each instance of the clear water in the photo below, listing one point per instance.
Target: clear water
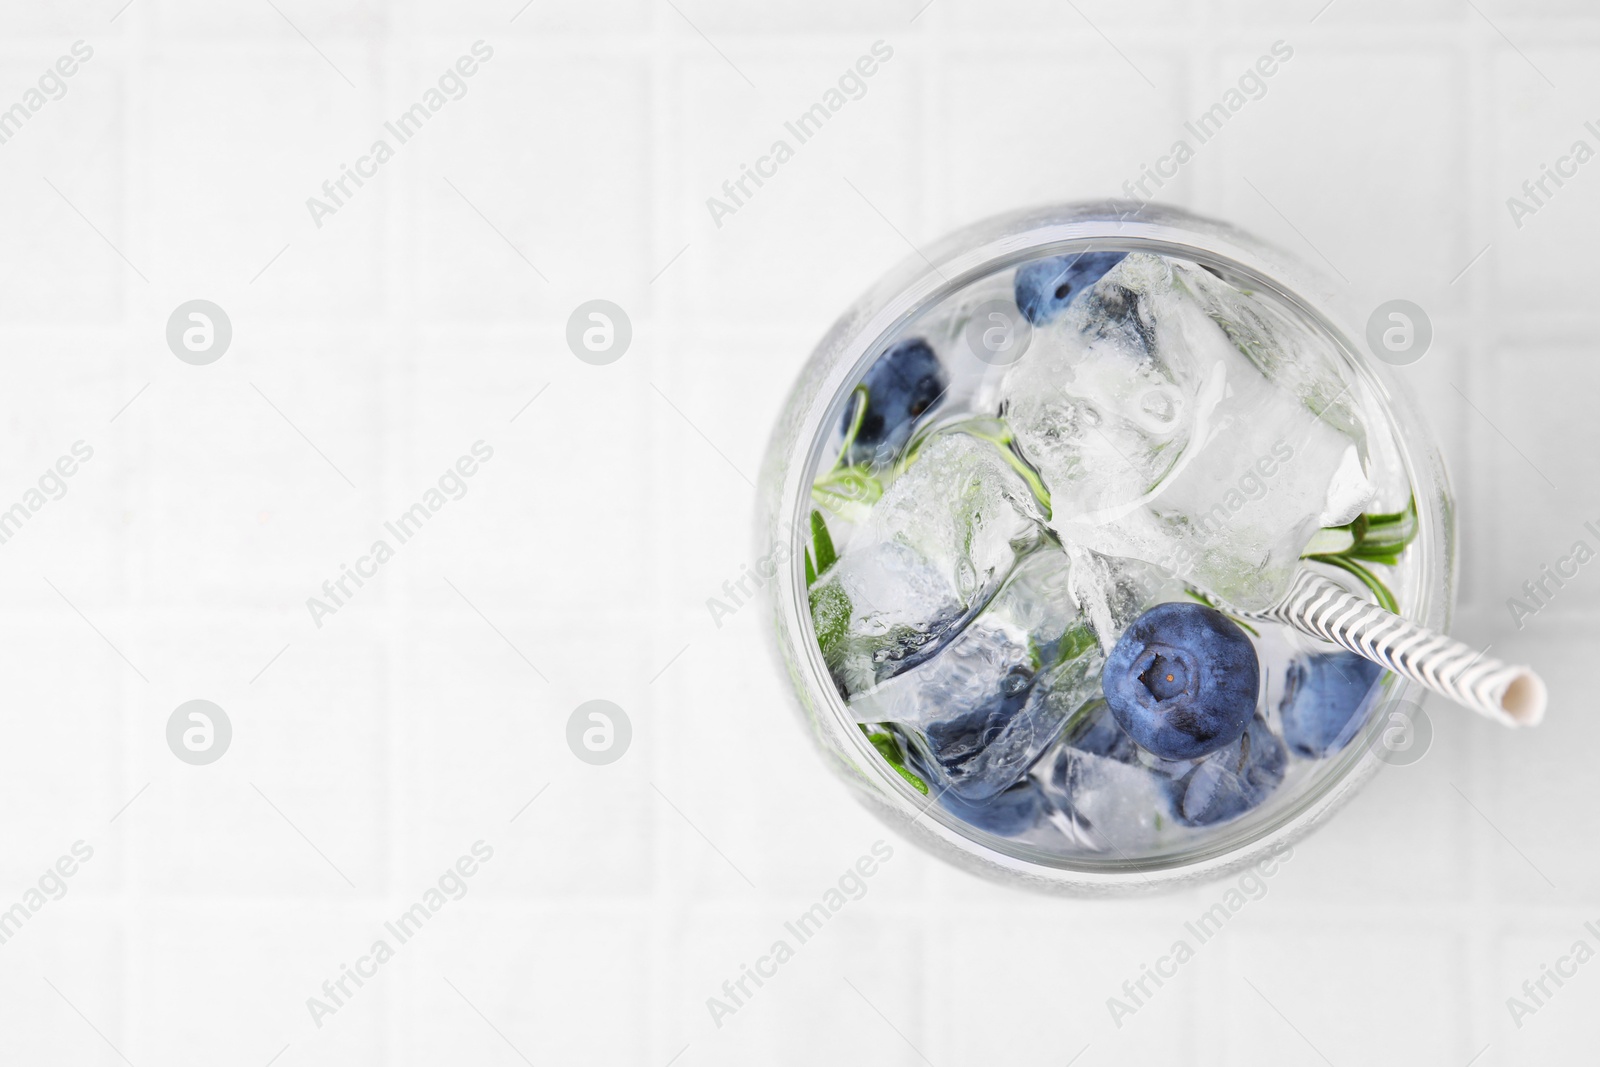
(1166, 434)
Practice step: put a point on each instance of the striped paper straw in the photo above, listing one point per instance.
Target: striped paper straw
(1508, 694)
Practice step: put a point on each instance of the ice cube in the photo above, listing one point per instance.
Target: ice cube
(1299, 360)
(1112, 591)
(964, 708)
(934, 550)
(961, 505)
(880, 610)
(1305, 364)
(1159, 438)
(1110, 805)
(982, 710)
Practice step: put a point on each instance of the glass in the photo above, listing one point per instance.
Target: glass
(809, 430)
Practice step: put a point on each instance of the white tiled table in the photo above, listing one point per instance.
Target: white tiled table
(370, 753)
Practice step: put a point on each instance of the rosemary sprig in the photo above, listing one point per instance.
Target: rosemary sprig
(1375, 537)
(1380, 591)
(888, 747)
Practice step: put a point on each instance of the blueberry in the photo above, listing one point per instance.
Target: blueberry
(1046, 287)
(965, 748)
(1323, 697)
(905, 382)
(1230, 782)
(1182, 680)
(1012, 812)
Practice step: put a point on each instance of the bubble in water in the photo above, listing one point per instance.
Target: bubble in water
(1160, 407)
(966, 576)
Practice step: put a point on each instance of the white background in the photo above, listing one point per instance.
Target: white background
(369, 753)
